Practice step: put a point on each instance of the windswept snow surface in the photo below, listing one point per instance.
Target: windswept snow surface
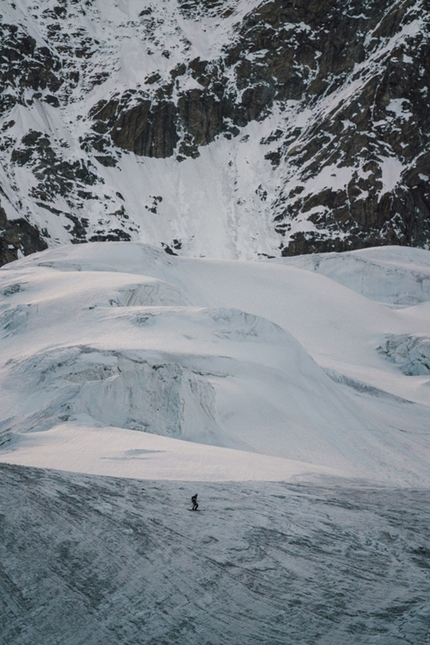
(118, 359)
(95, 560)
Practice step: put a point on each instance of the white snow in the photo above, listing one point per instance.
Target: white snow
(213, 204)
(391, 169)
(126, 453)
(389, 274)
(399, 108)
(95, 560)
(307, 378)
(227, 370)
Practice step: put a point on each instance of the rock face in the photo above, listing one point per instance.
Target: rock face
(18, 236)
(327, 103)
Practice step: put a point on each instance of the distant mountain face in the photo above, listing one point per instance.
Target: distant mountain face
(230, 128)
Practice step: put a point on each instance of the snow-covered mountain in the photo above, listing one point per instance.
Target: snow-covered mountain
(251, 321)
(225, 129)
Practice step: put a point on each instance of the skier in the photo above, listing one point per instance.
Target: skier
(194, 502)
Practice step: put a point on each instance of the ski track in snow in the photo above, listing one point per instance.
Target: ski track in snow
(283, 396)
(102, 560)
(293, 395)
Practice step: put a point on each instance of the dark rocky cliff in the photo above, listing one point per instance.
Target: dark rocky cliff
(349, 83)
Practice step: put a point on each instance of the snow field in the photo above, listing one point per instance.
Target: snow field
(260, 357)
(90, 559)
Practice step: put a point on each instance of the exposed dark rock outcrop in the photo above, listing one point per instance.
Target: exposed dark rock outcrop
(26, 69)
(346, 85)
(18, 236)
(55, 175)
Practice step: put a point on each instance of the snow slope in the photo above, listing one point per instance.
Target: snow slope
(390, 274)
(232, 129)
(247, 370)
(90, 560)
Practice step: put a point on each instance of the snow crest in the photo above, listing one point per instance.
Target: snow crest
(116, 347)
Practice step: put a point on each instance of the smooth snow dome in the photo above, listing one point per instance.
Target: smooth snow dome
(391, 274)
(118, 359)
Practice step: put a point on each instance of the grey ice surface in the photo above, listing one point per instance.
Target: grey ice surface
(89, 560)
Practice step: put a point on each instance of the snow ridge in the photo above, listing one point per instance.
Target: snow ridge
(224, 361)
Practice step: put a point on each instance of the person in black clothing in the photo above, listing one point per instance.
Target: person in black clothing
(194, 502)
